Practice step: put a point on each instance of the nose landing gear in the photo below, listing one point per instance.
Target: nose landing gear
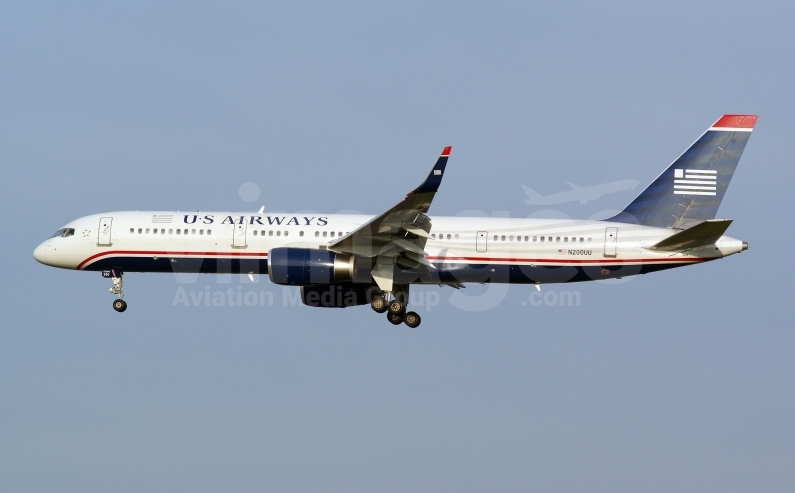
(118, 288)
(119, 305)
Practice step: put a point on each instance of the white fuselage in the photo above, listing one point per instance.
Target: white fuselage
(240, 242)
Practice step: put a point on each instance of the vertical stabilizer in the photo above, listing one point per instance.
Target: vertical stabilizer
(690, 190)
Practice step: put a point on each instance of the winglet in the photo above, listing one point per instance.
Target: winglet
(434, 178)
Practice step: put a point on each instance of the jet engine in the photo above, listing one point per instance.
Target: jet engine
(304, 266)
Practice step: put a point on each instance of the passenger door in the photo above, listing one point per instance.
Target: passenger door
(239, 236)
(611, 242)
(103, 234)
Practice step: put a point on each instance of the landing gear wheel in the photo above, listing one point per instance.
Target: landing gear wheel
(378, 304)
(395, 318)
(412, 320)
(119, 305)
(396, 307)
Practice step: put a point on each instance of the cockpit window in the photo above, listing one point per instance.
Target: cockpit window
(64, 232)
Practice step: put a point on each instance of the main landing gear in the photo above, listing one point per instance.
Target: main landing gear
(395, 311)
(118, 289)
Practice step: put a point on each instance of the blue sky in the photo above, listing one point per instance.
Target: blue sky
(681, 380)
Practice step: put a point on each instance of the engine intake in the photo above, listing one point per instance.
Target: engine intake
(303, 266)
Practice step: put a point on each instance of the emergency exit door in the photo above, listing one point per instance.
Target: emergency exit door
(481, 241)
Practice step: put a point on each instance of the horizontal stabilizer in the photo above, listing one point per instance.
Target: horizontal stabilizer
(702, 234)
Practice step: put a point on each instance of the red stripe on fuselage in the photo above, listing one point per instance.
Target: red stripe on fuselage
(170, 254)
(569, 261)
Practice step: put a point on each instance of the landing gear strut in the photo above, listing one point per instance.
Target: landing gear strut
(118, 289)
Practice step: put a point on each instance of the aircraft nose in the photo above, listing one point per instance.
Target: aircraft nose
(40, 253)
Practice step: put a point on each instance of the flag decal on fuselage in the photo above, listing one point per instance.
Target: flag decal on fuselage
(695, 181)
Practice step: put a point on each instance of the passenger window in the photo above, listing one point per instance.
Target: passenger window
(433, 235)
(332, 234)
(557, 239)
(171, 231)
(325, 233)
(147, 230)
(510, 238)
(566, 239)
(270, 233)
(549, 239)
(495, 237)
(154, 231)
(193, 231)
(456, 237)
(502, 238)
(179, 231)
(132, 230)
(589, 240)
(278, 233)
(286, 233)
(201, 232)
(317, 233)
(255, 232)
(582, 239)
(139, 230)
(535, 238)
(209, 231)
(301, 233)
(339, 234)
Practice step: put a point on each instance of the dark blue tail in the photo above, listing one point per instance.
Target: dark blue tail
(690, 190)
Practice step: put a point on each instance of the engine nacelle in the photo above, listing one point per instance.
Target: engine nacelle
(338, 295)
(303, 266)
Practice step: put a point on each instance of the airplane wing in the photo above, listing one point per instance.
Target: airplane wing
(403, 230)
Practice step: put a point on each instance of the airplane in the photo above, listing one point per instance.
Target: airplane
(578, 193)
(343, 260)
